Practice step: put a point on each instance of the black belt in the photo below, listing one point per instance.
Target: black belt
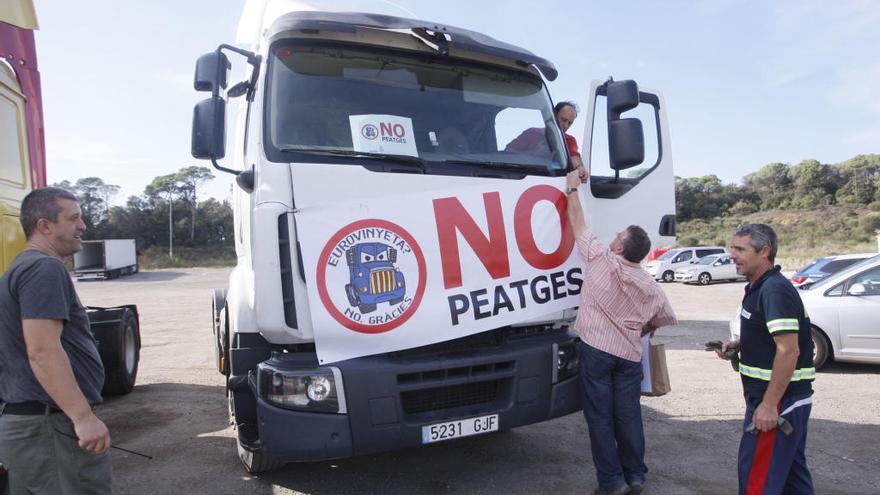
(31, 408)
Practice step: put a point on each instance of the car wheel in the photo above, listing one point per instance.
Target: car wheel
(668, 276)
(704, 278)
(821, 348)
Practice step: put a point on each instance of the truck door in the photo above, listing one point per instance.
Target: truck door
(643, 193)
(15, 180)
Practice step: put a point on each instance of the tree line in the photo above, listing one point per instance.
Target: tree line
(145, 218)
(779, 186)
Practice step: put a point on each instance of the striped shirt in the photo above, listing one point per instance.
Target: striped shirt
(619, 299)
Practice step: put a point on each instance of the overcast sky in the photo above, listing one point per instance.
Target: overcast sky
(746, 83)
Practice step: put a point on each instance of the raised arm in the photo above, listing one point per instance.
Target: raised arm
(574, 179)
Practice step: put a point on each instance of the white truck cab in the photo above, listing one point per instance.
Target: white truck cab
(447, 103)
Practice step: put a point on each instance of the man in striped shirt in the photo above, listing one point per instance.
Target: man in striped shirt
(620, 302)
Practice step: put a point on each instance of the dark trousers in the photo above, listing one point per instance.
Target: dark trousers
(611, 389)
(773, 463)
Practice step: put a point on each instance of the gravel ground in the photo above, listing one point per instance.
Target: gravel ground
(177, 414)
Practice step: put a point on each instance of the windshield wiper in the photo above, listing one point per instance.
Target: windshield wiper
(405, 159)
(512, 167)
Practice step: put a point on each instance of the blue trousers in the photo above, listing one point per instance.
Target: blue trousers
(611, 389)
(773, 463)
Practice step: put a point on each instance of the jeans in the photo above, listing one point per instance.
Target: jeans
(611, 389)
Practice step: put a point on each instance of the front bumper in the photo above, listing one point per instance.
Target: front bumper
(684, 277)
(389, 398)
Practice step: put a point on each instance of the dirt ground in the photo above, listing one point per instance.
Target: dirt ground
(177, 414)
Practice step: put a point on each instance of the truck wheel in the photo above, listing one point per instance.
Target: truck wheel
(352, 297)
(122, 372)
(668, 276)
(257, 462)
(395, 302)
(704, 279)
(220, 318)
(821, 348)
(366, 308)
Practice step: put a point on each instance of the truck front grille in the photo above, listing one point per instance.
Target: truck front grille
(449, 397)
(382, 281)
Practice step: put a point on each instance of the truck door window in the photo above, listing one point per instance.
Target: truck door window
(602, 174)
(463, 116)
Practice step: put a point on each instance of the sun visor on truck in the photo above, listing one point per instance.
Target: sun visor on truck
(461, 39)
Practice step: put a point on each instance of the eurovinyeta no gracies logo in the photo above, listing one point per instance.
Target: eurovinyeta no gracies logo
(371, 276)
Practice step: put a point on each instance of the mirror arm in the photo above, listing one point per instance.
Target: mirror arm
(252, 59)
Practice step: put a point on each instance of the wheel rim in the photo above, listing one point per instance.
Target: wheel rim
(704, 279)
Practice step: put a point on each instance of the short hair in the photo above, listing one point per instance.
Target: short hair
(760, 235)
(562, 104)
(42, 203)
(636, 244)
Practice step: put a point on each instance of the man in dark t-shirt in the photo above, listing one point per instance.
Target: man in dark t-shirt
(50, 371)
(776, 366)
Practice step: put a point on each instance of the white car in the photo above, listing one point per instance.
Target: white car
(708, 269)
(663, 268)
(844, 310)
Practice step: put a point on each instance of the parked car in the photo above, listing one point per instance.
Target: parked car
(710, 268)
(663, 268)
(844, 309)
(824, 267)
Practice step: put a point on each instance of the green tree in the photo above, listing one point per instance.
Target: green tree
(188, 180)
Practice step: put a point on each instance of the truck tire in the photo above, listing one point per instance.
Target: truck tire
(220, 319)
(366, 308)
(121, 366)
(352, 296)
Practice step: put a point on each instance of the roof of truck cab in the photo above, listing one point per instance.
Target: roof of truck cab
(461, 39)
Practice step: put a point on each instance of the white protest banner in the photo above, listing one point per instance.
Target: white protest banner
(409, 270)
(387, 134)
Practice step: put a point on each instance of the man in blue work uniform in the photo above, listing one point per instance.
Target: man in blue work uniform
(776, 366)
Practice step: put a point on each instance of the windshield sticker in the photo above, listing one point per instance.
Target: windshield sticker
(387, 134)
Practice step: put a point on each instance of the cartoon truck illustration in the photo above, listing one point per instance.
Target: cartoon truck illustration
(373, 278)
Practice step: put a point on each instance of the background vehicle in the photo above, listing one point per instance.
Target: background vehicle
(707, 269)
(844, 309)
(23, 167)
(466, 96)
(663, 268)
(824, 267)
(105, 258)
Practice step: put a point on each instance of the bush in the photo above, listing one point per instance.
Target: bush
(870, 223)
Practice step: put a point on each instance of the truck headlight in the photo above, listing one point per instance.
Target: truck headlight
(314, 390)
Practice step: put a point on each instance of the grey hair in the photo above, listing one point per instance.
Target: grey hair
(760, 235)
(42, 203)
(636, 244)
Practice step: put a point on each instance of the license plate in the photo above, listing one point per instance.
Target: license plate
(460, 428)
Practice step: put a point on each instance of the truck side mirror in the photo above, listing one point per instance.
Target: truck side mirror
(209, 129)
(212, 71)
(392, 255)
(349, 256)
(626, 138)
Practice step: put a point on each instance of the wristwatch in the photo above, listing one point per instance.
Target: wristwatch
(571, 190)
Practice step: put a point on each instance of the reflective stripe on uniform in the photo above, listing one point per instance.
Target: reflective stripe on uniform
(780, 324)
(762, 374)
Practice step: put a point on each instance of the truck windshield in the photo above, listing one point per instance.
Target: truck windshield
(326, 102)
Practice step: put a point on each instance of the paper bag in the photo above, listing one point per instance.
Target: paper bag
(655, 376)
